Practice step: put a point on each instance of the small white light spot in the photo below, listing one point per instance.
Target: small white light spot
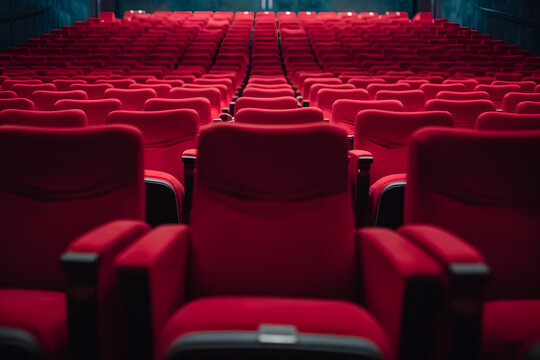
(246, 12)
(308, 13)
(287, 13)
(349, 13)
(371, 13)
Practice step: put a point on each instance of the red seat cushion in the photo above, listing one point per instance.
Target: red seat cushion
(510, 328)
(331, 317)
(40, 313)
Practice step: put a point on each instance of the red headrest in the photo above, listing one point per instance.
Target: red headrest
(62, 118)
(267, 163)
(280, 116)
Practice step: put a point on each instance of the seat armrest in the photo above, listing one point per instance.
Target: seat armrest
(92, 290)
(161, 188)
(401, 288)
(466, 275)
(152, 276)
(189, 158)
(359, 168)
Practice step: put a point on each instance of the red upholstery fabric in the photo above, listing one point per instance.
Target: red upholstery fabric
(45, 100)
(497, 92)
(327, 97)
(528, 107)
(431, 90)
(510, 328)
(465, 95)
(162, 90)
(213, 95)
(388, 262)
(94, 91)
(286, 116)
(328, 317)
(40, 313)
(226, 185)
(376, 190)
(131, 99)
(309, 82)
(200, 105)
(412, 100)
(506, 121)
(96, 110)
(7, 84)
(374, 88)
(22, 104)
(511, 100)
(485, 191)
(344, 111)
(102, 185)
(160, 252)
(285, 102)
(267, 93)
(117, 83)
(465, 112)
(65, 84)
(8, 94)
(385, 134)
(315, 90)
(26, 90)
(64, 118)
(166, 135)
(470, 84)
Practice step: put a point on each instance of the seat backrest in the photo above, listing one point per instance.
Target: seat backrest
(96, 110)
(167, 134)
(512, 100)
(528, 107)
(345, 111)
(7, 94)
(465, 95)
(45, 100)
(280, 116)
(17, 103)
(162, 90)
(268, 93)
(26, 90)
(482, 186)
(199, 104)
(327, 97)
(284, 102)
(94, 91)
(412, 100)
(131, 99)
(508, 121)
(63, 118)
(374, 88)
(464, 112)
(64, 182)
(431, 90)
(386, 135)
(213, 95)
(272, 213)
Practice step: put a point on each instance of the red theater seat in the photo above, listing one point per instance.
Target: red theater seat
(213, 95)
(485, 192)
(131, 99)
(327, 97)
(431, 90)
(45, 100)
(344, 111)
(64, 118)
(68, 182)
(507, 121)
(200, 104)
(261, 200)
(465, 95)
(383, 137)
(497, 92)
(280, 116)
(7, 94)
(464, 112)
(167, 134)
(22, 104)
(528, 107)
(285, 102)
(26, 90)
(412, 100)
(96, 110)
(512, 100)
(94, 91)
(162, 90)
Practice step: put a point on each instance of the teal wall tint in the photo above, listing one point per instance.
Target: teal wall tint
(23, 19)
